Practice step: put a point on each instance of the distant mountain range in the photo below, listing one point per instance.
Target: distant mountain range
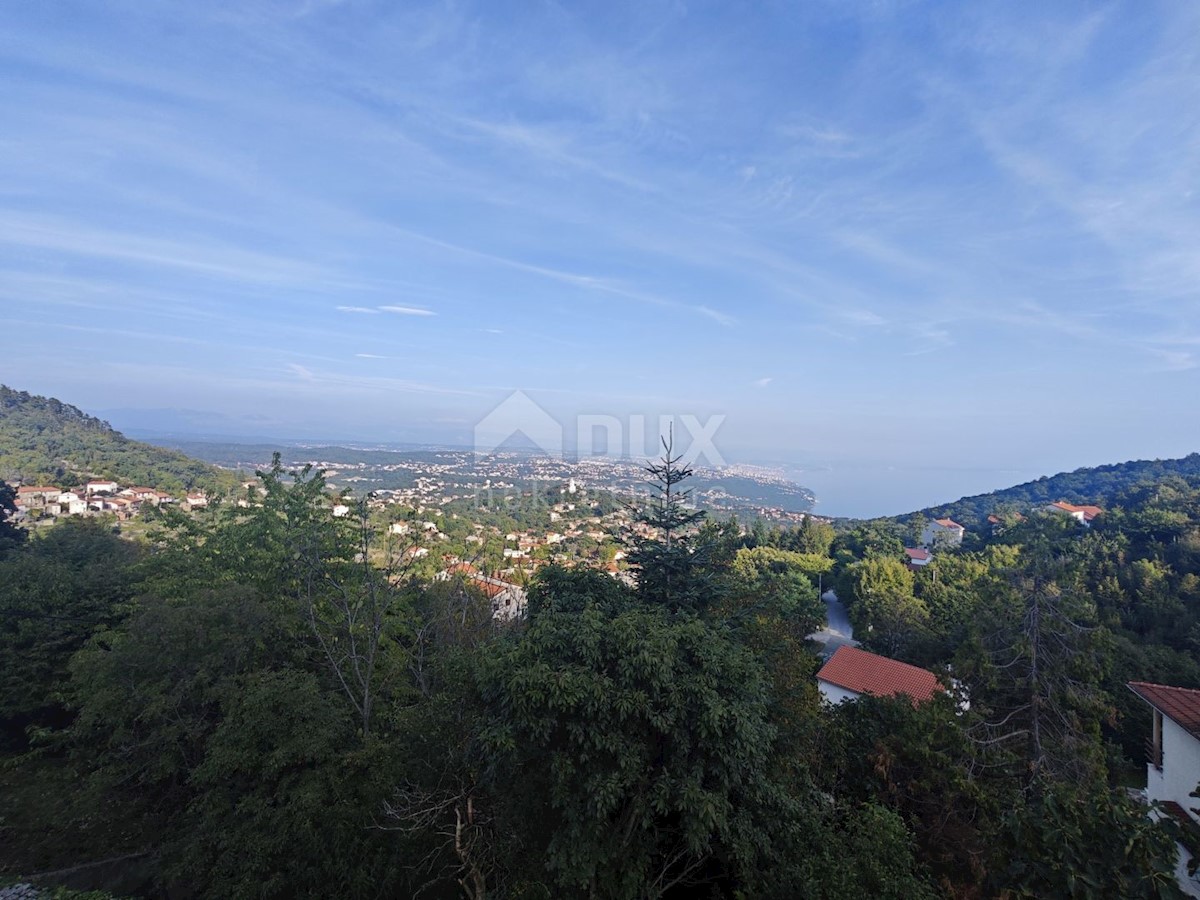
(1098, 485)
(43, 440)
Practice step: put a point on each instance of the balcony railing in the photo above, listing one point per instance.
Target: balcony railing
(1154, 754)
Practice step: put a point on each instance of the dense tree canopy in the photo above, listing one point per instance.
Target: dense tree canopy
(266, 701)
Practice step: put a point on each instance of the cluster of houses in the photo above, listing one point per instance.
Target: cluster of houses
(946, 533)
(94, 498)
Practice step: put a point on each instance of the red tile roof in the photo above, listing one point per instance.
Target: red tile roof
(1089, 512)
(491, 591)
(947, 523)
(917, 553)
(865, 673)
(1181, 705)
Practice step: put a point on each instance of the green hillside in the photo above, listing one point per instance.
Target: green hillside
(46, 440)
(1098, 485)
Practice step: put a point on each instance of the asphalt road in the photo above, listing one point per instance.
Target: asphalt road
(838, 630)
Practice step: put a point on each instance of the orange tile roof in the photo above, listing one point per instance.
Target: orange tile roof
(947, 523)
(866, 673)
(1180, 705)
(1089, 512)
(917, 553)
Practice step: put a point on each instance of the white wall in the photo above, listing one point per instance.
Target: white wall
(834, 694)
(936, 535)
(1181, 769)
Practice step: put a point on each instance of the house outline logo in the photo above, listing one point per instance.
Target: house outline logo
(519, 414)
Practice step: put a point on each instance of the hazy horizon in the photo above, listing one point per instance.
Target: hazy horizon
(847, 491)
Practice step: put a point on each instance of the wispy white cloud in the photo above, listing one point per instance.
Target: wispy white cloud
(763, 382)
(201, 257)
(716, 315)
(364, 310)
(407, 310)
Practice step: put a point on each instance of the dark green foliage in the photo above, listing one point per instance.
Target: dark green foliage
(149, 691)
(845, 850)
(572, 590)
(675, 562)
(280, 797)
(47, 441)
(915, 761)
(646, 736)
(11, 535)
(54, 593)
(1083, 844)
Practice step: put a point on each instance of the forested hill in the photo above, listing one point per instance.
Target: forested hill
(1098, 485)
(46, 440)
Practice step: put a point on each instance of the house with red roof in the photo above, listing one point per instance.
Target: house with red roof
(917, 557)
(852, 672)
(1082, 514)
(942, 533)
(508, 600)
(1173, 750)
(1173, 761)
(35, 496)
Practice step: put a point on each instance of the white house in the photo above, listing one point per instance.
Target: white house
(508, 600)
(74, 504)
(942, 533)
(102, 487)
(852, 672)
(1173, 764)
(1082, 514)
(916, 557)
(1173, 767)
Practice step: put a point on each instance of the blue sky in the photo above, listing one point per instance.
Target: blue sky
(956, 238)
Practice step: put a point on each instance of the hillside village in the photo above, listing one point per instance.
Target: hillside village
(460, 532)
(39, 502)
